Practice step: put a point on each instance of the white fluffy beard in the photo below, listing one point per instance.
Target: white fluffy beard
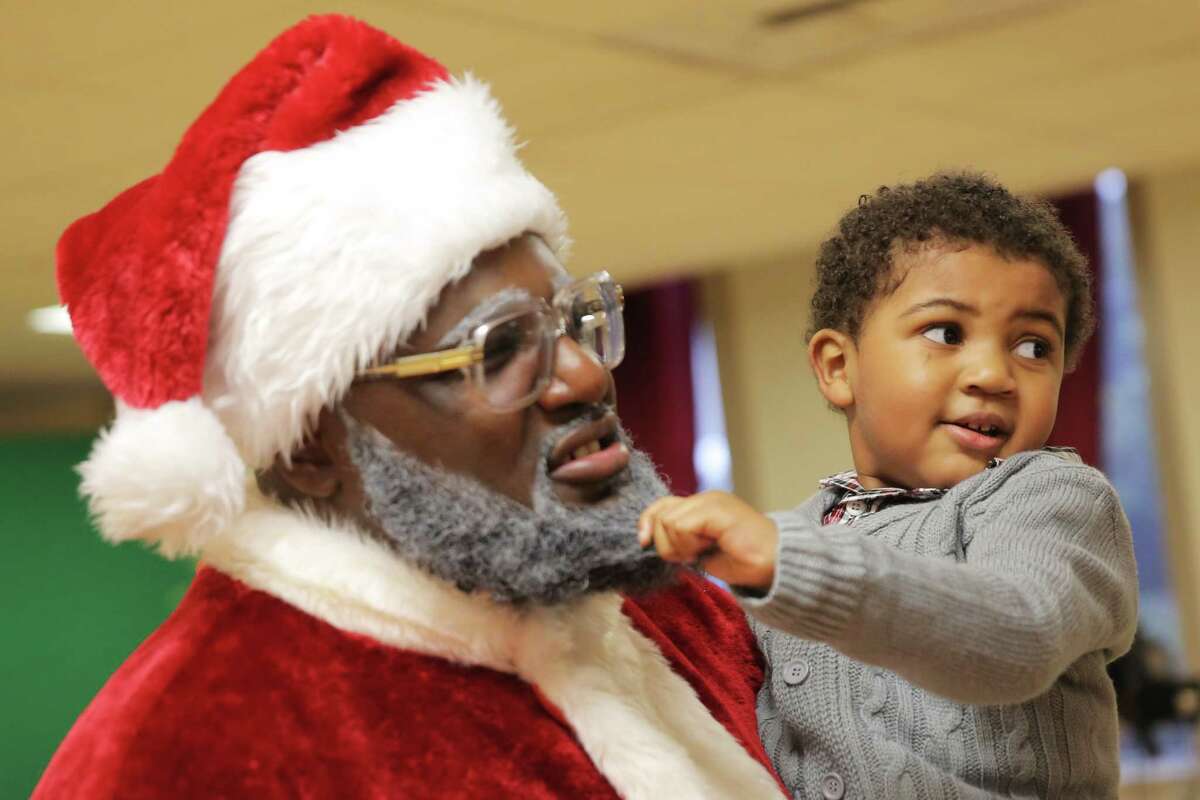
(458, 530)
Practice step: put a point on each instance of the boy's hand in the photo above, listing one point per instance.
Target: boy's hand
(717, 531)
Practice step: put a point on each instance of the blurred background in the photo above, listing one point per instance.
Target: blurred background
(702, 149)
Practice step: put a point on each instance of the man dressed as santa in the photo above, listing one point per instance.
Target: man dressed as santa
(354, 379)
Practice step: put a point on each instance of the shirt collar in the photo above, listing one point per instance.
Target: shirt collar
(851, 489)
(847, 483)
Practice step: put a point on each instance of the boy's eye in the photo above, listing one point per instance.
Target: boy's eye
(1033, 348)
(943, 334)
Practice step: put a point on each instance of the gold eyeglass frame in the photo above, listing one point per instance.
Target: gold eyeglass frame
(466, 356)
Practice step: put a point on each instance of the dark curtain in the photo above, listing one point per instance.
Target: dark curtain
(1078, 422)
(654, 382)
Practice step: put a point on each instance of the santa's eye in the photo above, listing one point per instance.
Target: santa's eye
(943, 334)
(1033, 348)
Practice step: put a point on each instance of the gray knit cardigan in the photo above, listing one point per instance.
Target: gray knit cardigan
(952, 648)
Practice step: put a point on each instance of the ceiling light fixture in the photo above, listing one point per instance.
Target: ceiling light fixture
(50, 319)
(801, 12)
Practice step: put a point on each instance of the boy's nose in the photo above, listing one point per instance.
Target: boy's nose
(578, 378)
(988, 371)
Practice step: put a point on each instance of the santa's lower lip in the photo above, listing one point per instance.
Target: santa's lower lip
(597, 466)
(972, 439)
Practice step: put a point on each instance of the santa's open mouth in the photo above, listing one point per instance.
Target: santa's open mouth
(588, 454)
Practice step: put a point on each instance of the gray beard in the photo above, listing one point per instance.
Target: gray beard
(456, 529)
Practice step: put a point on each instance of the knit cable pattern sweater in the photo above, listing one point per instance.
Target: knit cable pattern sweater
(954, 648)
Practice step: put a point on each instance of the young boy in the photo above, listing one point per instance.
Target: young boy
(937, 621)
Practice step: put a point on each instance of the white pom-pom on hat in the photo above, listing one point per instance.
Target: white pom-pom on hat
(169, 475)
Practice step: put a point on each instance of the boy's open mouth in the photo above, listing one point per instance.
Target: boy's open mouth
(990, 430)
(981, 431)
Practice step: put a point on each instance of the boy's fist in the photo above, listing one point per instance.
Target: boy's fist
(723, 535)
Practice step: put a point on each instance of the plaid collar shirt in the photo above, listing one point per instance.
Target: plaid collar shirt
(856, 501)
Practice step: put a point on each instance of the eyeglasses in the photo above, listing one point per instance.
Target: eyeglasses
(509, 359)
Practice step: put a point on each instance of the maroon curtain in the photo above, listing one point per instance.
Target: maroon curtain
(1078, 422)
(654, 382)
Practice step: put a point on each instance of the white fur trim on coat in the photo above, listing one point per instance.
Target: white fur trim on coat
(335, 253)
(169, 476)
(641, 723)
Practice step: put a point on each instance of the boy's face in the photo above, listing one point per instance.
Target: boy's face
(962, 363)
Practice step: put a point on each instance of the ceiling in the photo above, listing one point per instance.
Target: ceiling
(680, 135)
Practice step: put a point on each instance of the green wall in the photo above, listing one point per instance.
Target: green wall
(72, 607)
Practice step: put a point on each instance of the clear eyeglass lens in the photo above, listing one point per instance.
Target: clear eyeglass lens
(516, 359)
(518, 349)
(593, 319)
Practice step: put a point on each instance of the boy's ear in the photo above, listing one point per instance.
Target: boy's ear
(314, 471)
(830, 354)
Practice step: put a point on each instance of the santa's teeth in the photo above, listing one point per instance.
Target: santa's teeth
(585, 450)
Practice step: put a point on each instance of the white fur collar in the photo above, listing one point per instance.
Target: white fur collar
(640, 722)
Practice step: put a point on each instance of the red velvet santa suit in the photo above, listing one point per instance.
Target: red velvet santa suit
(225, 302)
(306, 661)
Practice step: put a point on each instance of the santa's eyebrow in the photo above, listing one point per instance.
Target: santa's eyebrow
(481, 313)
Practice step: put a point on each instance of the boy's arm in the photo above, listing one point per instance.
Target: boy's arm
(1049, 576)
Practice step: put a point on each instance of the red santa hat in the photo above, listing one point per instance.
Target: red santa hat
(306, 224)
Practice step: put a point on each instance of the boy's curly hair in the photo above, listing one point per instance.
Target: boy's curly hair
(854, 266)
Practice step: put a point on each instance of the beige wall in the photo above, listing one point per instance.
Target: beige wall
(74, 407)
(1167, 233)
(782, 436)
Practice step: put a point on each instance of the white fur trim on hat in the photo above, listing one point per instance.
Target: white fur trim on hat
(335, 253)
(170, 476)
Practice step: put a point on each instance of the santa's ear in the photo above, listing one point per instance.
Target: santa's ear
(314, 471)
(831, 354)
